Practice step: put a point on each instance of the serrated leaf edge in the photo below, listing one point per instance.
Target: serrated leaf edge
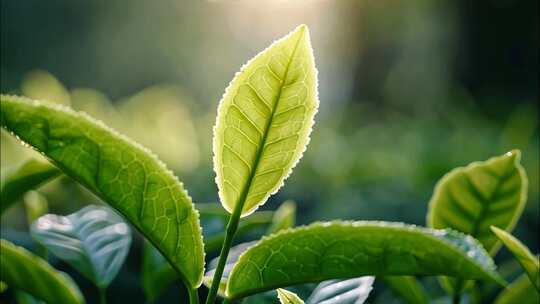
(126, 139)
(430, 232)
(298, 154)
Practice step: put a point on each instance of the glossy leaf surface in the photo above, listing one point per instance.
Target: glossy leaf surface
(264, 121)
(23, 270)
(94, 240)
(339, 250)
(125, 175)
(28, 176)
(524, 256)
(288, 297)
(471, 199)
(351, 291)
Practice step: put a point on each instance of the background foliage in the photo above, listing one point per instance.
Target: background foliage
(408, 91)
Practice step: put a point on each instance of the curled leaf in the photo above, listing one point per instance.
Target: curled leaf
(94, 240)
(351, 291)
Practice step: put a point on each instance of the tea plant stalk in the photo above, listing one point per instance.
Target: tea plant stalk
(232, 226)
(102, 295)
(193, 295)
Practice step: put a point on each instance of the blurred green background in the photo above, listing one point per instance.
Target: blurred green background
(408, 90)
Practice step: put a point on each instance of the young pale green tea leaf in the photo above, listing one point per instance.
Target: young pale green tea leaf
(521, 291)
(23, 270)
(28, 176)
(288, 297)
(94, 240)
(408, 288)
(284, 217)
(523, 255)
(339, 250)
(264, 121)
(353, 291)
(473, 198)
(125, 175)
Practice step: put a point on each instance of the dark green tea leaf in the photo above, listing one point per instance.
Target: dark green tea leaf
(23, 270)
(339, 250)
(124, 174)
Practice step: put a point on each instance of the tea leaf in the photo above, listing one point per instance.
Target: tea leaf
(520, 291)
(124, 174)
(28, 176)
(339, 250)
(408, 288)
(473, 198)
(264, 120)
(26, 271)
(93, 240)
(523, 255)
(346, 291)
(287, 297)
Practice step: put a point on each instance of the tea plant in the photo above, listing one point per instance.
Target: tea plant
(262, 129)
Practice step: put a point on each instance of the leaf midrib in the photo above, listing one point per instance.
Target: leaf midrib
(260, 150)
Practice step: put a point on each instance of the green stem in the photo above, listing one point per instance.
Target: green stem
(457, 298)
(102, 295)
(232, 226)
(226, 301)
(193, 295)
